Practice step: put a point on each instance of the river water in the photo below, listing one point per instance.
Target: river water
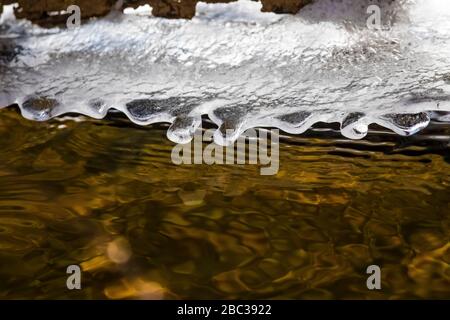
(355, 188)
(105, 195)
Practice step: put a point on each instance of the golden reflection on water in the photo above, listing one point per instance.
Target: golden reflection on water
(105, 195)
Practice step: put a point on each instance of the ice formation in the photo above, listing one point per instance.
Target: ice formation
(241, 67)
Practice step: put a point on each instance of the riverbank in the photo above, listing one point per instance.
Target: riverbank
(47, 13)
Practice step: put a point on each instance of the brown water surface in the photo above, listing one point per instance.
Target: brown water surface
(105, 195)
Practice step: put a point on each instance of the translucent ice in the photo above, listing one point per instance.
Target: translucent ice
(241, 67)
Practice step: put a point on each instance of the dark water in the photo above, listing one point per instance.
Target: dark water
(106, 196)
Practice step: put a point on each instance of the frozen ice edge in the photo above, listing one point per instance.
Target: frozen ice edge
(240, 67)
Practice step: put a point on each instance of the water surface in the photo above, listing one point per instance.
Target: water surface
(105, 195)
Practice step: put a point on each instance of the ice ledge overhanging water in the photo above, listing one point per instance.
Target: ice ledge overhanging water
(241, 67)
